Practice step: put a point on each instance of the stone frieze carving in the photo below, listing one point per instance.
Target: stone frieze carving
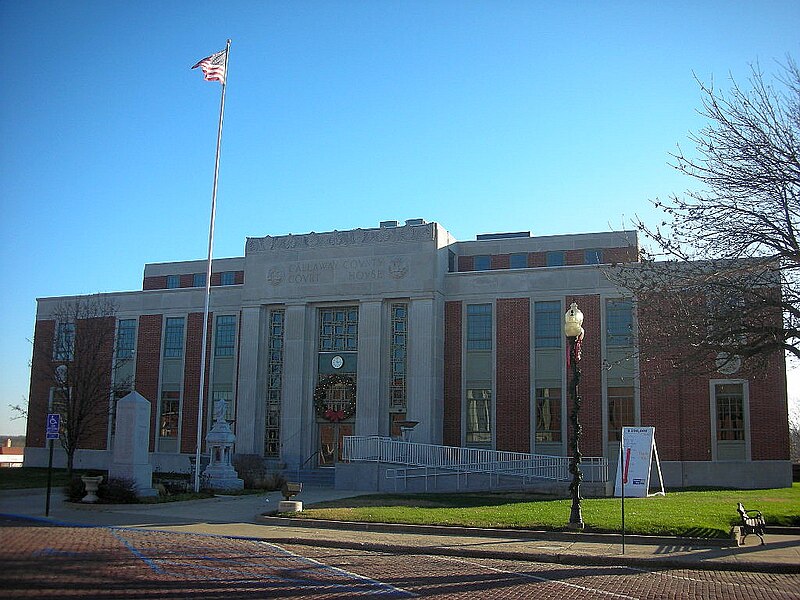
(353, 237)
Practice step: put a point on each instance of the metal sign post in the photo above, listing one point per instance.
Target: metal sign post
(52, 427)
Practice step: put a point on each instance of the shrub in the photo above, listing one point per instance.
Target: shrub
(117, 491)
(75, 490)
(252, 469)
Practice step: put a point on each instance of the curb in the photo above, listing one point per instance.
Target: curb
(524, 534)
(644, 563)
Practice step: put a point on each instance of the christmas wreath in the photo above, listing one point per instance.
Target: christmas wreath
(348, 408)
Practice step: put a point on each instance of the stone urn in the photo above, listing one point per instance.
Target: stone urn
(91, 483)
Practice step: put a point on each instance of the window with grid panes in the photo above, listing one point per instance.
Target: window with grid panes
(554, 259)
(170, 412)
(518, 261)
(199, 280)
(126, 338)
(547, 324)
(397, 357)
(730, 411)
(548, 414)
(619, 322)
(272, 424)
(479, 327)
(227, 278)
(338, 329)
(173, 282)
(64, 344)
(225, 336)
(482, 262)
(173, 337)
(479, 416)
(621, 411)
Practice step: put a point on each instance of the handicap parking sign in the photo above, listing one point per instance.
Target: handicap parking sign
(53, 426)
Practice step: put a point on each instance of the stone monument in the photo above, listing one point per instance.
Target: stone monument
(220, 473)
(131, 444)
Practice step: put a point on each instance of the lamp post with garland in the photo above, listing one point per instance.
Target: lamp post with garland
(573, 329)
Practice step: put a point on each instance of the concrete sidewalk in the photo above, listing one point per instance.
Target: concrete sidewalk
(243, 516)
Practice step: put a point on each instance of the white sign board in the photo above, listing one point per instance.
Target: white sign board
(633, 468)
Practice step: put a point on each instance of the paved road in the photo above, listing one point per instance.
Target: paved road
(44, 561)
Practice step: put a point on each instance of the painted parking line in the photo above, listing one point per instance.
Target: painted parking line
(247, 561)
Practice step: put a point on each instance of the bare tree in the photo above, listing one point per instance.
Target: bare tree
(77, 366)
(722, 274)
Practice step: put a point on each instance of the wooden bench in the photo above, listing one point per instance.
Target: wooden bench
(752, 522)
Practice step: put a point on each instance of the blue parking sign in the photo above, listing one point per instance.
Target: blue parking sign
(53, 426)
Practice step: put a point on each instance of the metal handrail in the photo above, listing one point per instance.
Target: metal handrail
(469, 460)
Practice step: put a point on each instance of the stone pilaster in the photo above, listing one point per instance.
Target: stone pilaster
(250, 405)
(294, 410)
(368, 402)
(423, 390)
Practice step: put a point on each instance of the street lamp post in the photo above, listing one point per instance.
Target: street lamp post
(573, 329)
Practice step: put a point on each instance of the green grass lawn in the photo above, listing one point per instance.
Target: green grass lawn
(32, 477)
(708, 513)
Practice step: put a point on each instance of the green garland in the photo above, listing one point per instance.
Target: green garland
(320, 401)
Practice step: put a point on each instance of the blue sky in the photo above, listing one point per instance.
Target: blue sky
(554, 117)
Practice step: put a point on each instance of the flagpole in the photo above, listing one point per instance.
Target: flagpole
(208, 281)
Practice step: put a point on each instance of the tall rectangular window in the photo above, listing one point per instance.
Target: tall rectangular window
(482, 262)
(170, 413)
(397, 358)
(126, 338)
(730, 411)
(199, 280)
(554, 259)
(227, 278)
(338, 329)
(225, 336)
(173, 282)
(173, 338)
(479, 416)
(479, 327)
(518, 261)
(548, 414)
(619, 322)
(621, 411)
(547, 324)
(64, 344)
(272, 423)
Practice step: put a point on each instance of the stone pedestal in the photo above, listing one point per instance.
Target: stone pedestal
(131, 459)
(220, 474)
(285, 506)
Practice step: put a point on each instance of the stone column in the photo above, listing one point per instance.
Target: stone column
(250, 404)
(423, 383)
(368, 402)
(294, 445)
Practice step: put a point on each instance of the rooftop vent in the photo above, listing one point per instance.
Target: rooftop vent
(385, 224)
(415, 221)
(503, 236)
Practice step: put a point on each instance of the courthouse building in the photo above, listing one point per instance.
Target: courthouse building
(319, 336)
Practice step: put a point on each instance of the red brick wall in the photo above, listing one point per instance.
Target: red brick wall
(216, 278)
(574, 257)
(239, 277)
(39, 396)
(769, 429)
(591, 414)
(157, 282)
(620, 255)
(465, 263)
(148, 361)
(191, 381)
(187, 280)
(452, 374)
(500, 261)
(537, 259)
(513, 375)
(92, 332)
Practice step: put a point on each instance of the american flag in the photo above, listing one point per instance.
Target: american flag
(213, 66)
